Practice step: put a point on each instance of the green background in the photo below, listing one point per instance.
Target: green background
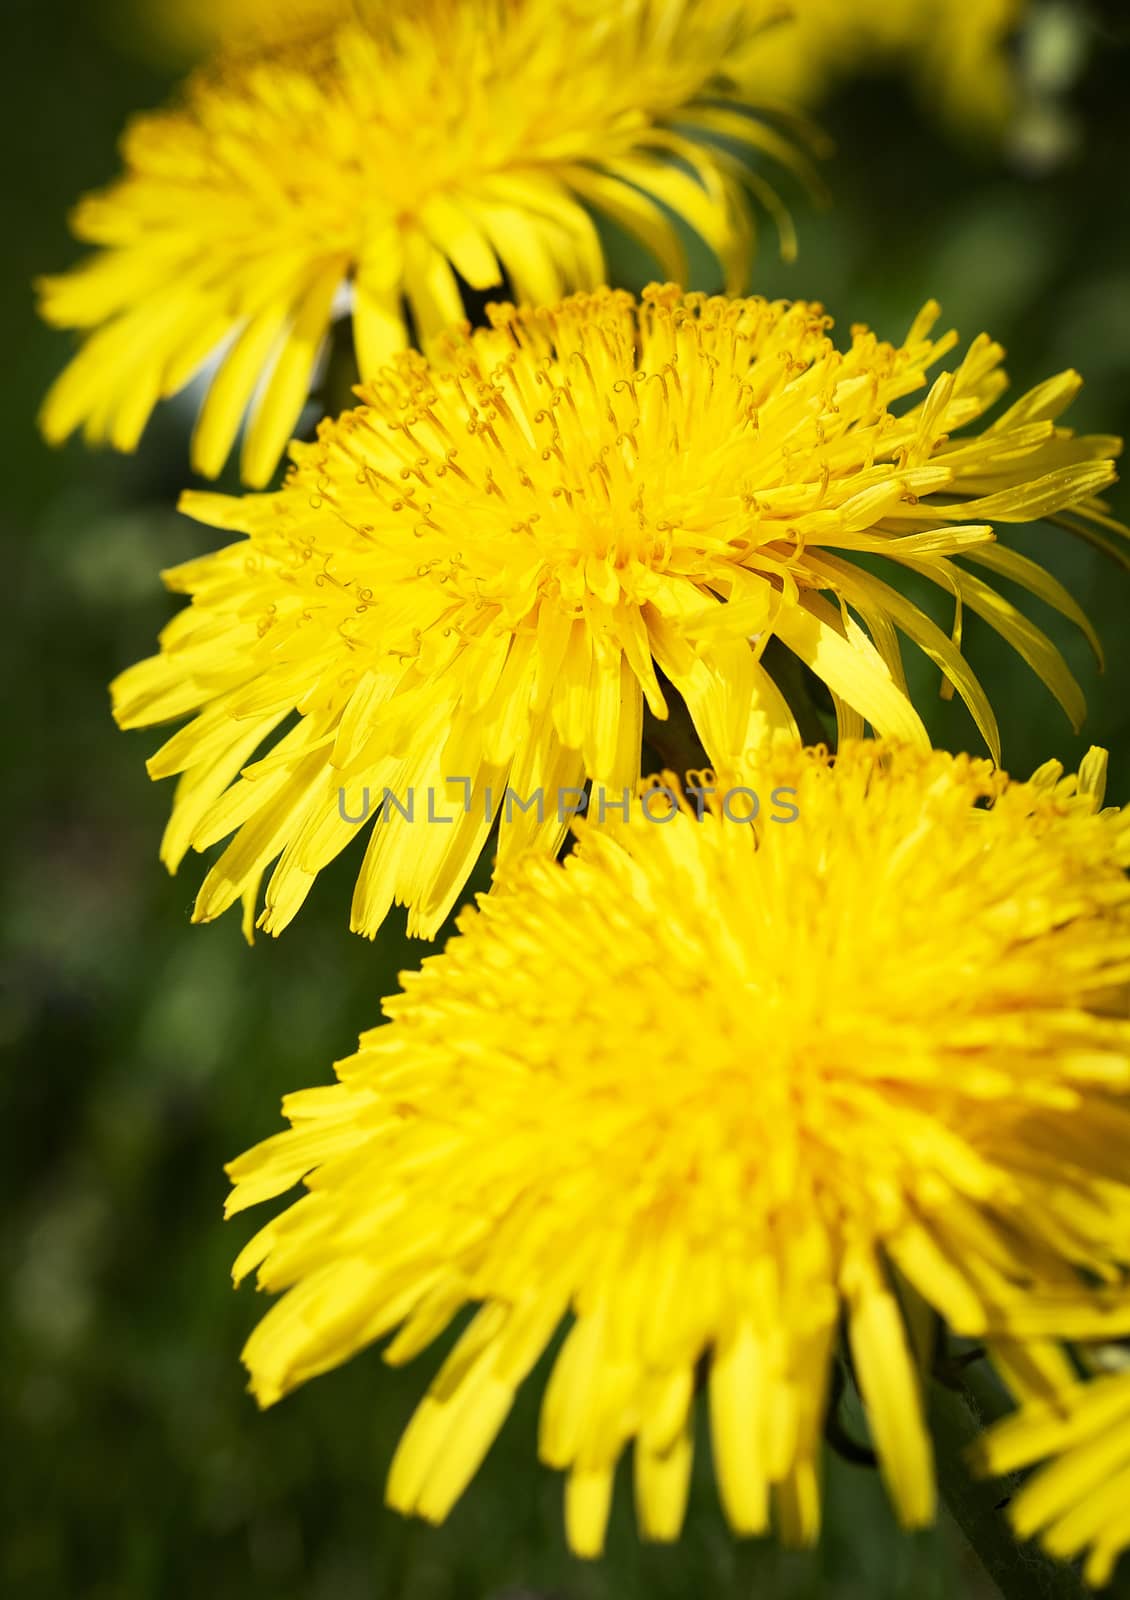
(142, 1053)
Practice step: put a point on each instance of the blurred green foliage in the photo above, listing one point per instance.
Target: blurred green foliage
(142, 1053)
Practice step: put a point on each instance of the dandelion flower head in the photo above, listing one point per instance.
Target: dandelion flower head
(443, 145)
(706, 1093)
(487, 572)
(956, 53)
(235, 27)
(1079, 1502)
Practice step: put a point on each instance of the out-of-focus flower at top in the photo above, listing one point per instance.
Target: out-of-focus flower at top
(956, 51)
(488, 570)
(709, 1094)
(236, 27)
(444, 144)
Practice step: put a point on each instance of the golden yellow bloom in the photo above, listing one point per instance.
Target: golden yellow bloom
(956, 50)
(237, 26)
(1080, 1503)
(706, 1090)
(479, 575)
(450, 140)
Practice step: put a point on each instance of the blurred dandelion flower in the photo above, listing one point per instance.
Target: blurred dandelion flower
(448, 141)
(236, 26)
(708, 1092)
(481, 573)
(957, 51)
(1081, 1501)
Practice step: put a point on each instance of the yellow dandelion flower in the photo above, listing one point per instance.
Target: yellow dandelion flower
(446, 144)
(957, 52)
(480, 575)
(1081, 1502)
(706, 1093)
(236, 26)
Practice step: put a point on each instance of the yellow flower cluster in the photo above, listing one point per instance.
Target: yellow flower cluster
(796, 1058)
